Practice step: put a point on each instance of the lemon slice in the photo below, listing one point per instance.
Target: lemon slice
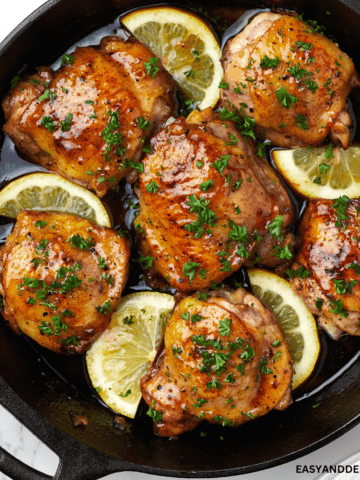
(186, 46)
(125, 351)
(47, 192)
(310, 173)
(295, 320)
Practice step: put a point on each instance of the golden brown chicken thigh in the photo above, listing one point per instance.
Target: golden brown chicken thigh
(293, 81)
(61, 277)
(88, 120)
(208, 203)
(225, 360)
(326, 273)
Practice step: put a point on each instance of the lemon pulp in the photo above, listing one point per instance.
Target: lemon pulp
(48, 192)
(295, 320)
(321, 172)
(186, 46)
(125, 351)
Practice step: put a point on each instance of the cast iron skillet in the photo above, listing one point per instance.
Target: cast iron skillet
(44, 402)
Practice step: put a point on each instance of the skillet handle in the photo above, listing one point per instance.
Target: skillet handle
(77, 460)
(18, 470)
(74, 468)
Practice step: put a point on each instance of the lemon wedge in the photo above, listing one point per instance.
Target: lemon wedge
(47, 192)
(325, 172)
(186, 46)
(295, 320)
(125, 351)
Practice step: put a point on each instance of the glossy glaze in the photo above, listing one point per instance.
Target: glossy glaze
(95, 84)
(329, 247)
(179, 384)
(333, 72)
(165, 211)
(85, 322)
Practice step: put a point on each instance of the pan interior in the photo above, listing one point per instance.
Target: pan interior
(57, 387)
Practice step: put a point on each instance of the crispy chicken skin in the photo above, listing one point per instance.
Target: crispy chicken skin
(46, 281)
(306, 64)
(330, 252)
(95, 103)
(218, 364)
(202, 199)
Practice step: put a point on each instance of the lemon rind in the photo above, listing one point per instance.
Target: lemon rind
(43, 180)
(194, 24)
(150, 302)
(299, 180)
(268, 281)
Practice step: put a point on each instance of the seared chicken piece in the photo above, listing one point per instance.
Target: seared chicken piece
(206, 203)
(330, 255)
(61, 278)
(219, 364)
(87, 121)
(293, 81)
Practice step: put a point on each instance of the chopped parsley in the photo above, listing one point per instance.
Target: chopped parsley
(128, 392)
(145, 262)
(285, 98)
(324, 168)
(151, 67)
(156, 415)
(46, 95)
(152, 187)
(40, 224)
(214, 384)
(190, 73)
(15, 81)
(244, 123)
(301, 272)
(301, 121)
(204, 214)
(275, 226)
(283, 252)
(224, 421)
(342, 287)
(129, 321)
(206, 185)
(303, 46)
(80, 242)
(355, 267)
(67, 60)
(139, 167)
(48, 123)
(267, 62)
(112, 137)
(263, 368)
(261, 148)
(189, 270)
(221, 163)
(143, 124)
(329, 152)
(66, 124)
(337, 308)
(224, 327)
(319, 303)
(340, 205)
(105, 307)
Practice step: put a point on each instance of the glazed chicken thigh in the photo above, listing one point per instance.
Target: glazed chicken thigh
(293, 81)
(208, 203)
(219, 364)
(88, 120)
(61, 276)
(326, 273)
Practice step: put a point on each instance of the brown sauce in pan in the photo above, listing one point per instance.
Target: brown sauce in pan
(335, 357)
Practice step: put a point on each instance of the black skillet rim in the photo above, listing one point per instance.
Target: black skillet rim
(82, 461)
